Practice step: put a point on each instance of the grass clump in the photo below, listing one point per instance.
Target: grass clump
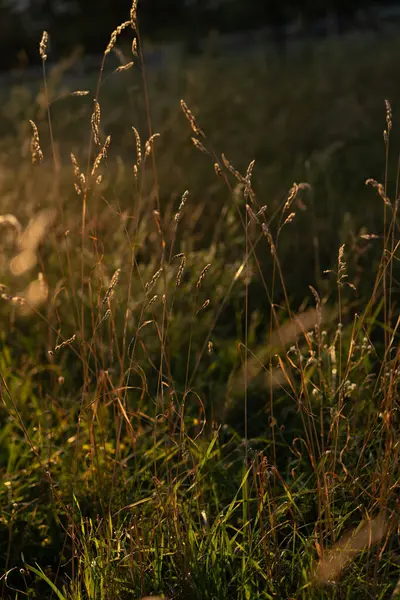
(199, 370)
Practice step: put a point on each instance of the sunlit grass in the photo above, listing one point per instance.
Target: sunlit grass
(182, 414)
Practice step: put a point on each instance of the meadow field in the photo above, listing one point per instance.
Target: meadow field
(199, 341)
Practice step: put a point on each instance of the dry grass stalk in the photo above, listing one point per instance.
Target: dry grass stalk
(190, 117)
(362, 538)
(197, 144)
(248, 191)
(95, 122)
(138, 147)
(388, 116)
(232, 170)
(205, 304)
(218, 170)
(262, 210)
(380, 189)
(149, 286)
(133, 13)
(115, 34)
(62, 345)
(149, 144)
(43, 45)
(202, 275)
(251, 214)
(292, 195)
(105, 316)
(101, 155)
(80, 93)
(124, 67)
(289, 219)
(152, 300)
(134, 47)
(180, 271)
(182, 204)
(111, 287)
(267, 234)
(80, 186)
(36, 151)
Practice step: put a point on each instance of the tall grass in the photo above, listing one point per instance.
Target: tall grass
(199, 396)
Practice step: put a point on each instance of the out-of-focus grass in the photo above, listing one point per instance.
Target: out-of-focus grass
(139, 458)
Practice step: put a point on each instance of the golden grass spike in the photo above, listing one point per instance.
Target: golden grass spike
(133, 13)
(62, 345)
(43, 45)
(180, 271)
(202, 275)
(185, 196)
(102, 154)
(204, 305)
(232, 169)
(124, 67)
(149, 144)
(291, 196)
(112, 286)
(190, 117)
(36, 151)
(115, 34)
(95, 122)
(380, 189)
(149, 286)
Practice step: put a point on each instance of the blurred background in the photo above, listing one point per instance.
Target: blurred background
(186, 22)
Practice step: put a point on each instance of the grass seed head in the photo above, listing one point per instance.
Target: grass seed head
(112, 286)
(149, 286)
(95, 122)
(115, 34)
(192, 121)
(43, 45)
(36, 151)
(102, 154)
(202, 275)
